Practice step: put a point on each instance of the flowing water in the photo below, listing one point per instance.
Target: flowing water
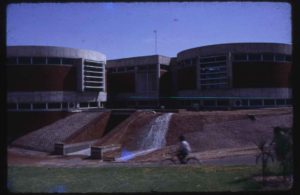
(155, 137)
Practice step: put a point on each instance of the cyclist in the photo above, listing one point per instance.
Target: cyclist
(183, 150)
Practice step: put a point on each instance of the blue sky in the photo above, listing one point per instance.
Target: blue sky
(127, 29)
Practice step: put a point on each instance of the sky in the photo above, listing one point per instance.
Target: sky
(121, 30)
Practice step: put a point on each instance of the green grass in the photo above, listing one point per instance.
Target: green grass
(132, 179)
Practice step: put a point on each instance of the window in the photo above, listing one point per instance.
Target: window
(288, 58)
(121, 69)
(54, 105)
(280, 102)
(268, 57)
(209, 103)
(93, 104)
(269, 102)
(254, 57)
(67, 61)
(36, 60)
(24, 60)
(255, 102)
(240, 57)
(93, 63)
(54, 60)
(280, 57)
(12, 60)
(83, 104)
(130, 68)
(64, 105)
(24, 106)
(221, 58)
(39, 106)
(223, 103)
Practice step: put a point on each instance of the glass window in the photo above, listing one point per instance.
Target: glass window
(11, 60)
(268, 57)
(288, 58)
(208, 102)
(280, 102)
(121, 69)
(83, 104)
(240, 57)
(67, 61)
(93, 63)
(221, 58)
(24, 106)
(65, 105)
(24, 60)
(223, 103)
(254, 57)
(129, 68)
(280, 57)
(255, 102)
(39, 106)
(36, 60)
(269, 102)
(53, 105)
(245, 102)
(93, 104)
(54, 60)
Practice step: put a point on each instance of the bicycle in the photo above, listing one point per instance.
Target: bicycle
(173, 160)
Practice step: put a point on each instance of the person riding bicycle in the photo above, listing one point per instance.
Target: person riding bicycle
(183, 150)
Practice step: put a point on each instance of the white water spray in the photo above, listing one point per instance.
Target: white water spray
(157, 130)
(155, 137)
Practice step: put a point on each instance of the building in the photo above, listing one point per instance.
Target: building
(46, 83)
(137, 81)
(235, 75)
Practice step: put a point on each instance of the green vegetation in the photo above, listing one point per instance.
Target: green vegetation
(133, 179)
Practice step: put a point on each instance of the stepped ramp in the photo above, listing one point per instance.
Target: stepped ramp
(78, 127)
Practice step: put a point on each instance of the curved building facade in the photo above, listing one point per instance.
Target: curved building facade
(45, 84)
(235, 75)
(48, 78)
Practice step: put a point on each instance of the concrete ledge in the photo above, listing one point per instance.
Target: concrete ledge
(63, 148)
(98, 151)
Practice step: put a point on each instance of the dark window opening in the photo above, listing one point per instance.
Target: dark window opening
(24, 106)
(24, 60)
(268, 57)
(245, 102)
(39, 106)
(53, 105)
(255, 102)
(288, 58)
(64, 105)
(223, 103)
(221, 58)
(254, 57)
(54, 60)
(67, 61)
(36, 60)
(280, 57)
(289, 102)
(209, 103)
(280, 102)
(242, 57)
(93, 104)
(269, 102)
(83, 104)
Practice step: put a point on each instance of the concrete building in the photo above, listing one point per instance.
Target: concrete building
(236, 75)
(135, 82)
(45, 83)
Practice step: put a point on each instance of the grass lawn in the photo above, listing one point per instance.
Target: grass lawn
(133, 179)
